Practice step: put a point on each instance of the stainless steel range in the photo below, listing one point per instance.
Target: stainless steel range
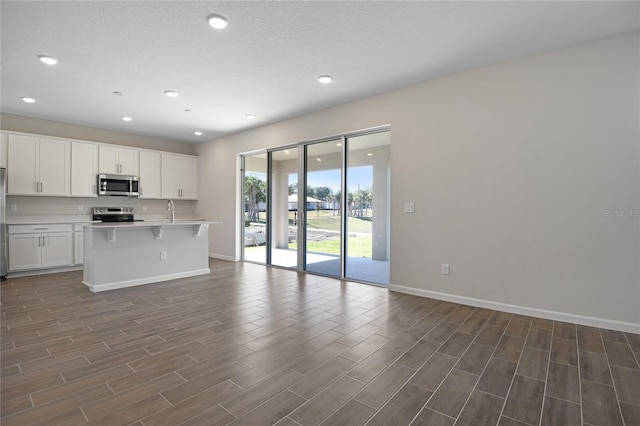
(113, 214)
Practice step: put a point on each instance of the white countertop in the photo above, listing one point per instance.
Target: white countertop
(58, 219)
(147, 224)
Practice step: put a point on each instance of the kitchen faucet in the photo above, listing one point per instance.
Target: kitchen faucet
(172, 211)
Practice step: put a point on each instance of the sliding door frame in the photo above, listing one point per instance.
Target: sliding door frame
(301, 226)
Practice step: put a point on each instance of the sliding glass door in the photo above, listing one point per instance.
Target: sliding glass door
(323, 220)
(367, 224)
(321, 207)
(283, 195)
(254, 192)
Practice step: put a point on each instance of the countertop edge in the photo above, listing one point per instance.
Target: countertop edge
(129, 225)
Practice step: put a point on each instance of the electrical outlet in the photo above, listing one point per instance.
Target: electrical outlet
(163, 255)
(14, 207)
(144, 208)
(409, 208)
(80, 208)
(445, 269)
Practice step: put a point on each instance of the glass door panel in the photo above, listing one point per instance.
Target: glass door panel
(367, 224)
(323, 224)
(284, 207)
(255, 208)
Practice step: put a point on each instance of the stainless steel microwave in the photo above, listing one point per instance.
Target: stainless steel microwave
(118, 185)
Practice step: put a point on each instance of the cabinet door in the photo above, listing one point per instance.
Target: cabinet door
(24, 251)
(84, 169)
(108, 162)
(170, 176)
(57, 249)
(189, 178)
(78, 248)
(149, 174)
(22, 165)
(129, 161)
(55, 168)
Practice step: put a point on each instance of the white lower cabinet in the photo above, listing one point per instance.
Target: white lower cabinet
(40, 246)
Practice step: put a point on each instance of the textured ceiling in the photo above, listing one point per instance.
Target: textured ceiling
(267, 60)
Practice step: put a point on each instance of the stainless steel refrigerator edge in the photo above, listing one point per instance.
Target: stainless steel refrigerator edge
(3, 224)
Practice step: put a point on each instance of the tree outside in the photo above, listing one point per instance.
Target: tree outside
(255, 192)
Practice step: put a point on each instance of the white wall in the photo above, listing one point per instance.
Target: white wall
(512, 169)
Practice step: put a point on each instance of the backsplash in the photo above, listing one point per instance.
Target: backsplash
(77, 207)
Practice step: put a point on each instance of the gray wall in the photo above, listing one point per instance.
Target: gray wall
(512, 168)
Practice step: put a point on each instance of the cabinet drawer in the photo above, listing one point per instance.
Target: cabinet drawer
(40, 228)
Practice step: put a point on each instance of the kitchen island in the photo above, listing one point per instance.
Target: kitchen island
(118, 255)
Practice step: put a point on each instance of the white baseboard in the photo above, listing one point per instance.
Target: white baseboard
(31, 272)
(223, 257)
(147, 280)
(522, 310)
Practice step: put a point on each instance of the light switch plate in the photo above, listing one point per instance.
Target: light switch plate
(409, 208)
(14, 207)
(445, 269)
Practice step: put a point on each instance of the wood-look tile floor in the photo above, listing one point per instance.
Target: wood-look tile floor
(251, 345)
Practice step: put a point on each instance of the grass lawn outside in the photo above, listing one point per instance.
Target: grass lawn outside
(324, 220)
(356, 246)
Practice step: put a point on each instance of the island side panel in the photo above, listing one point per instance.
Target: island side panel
(135, 257)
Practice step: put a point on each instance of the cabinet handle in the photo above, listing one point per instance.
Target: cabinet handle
(94, 188)
(41, 190)
(40, 229)
(141, 191)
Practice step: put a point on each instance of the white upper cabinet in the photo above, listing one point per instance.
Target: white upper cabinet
(84, 169)
(38, 166)
(189, 178)
(149, 179)
(50, 166)
(119, 161)
(179, 177)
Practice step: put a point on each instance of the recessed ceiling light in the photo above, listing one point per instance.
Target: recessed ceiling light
(28, 100)
(118, 93)
(369, 154)
(319, 160)
(125, 118)
(217, 21)
(197, 133)
(171, 93)
(325, 79)
(250, 117)
(286, 151)
(47, 60)
(339, 144)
